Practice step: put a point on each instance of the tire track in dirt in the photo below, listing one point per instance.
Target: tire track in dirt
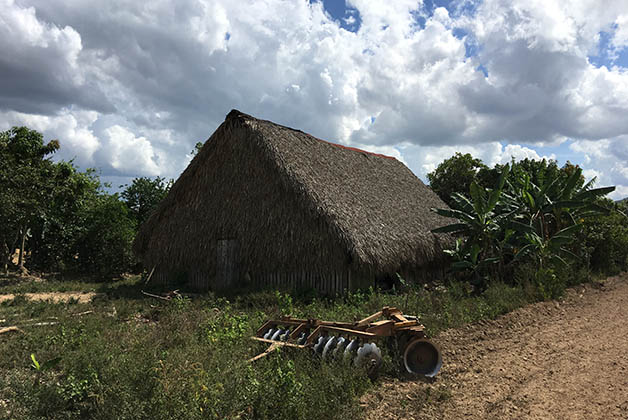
(550, 360)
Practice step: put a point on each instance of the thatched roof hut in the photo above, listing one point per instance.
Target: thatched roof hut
(266, 205)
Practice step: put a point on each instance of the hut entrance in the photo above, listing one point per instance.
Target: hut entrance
(227, 253)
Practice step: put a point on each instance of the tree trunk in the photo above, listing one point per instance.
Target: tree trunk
(20, 263)
(6, 256)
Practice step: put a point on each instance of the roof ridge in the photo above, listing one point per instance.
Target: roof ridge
(236, 114)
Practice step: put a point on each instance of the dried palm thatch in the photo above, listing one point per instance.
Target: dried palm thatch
(294, 204)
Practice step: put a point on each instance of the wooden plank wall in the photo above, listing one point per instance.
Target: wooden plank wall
(197, 280)
(332, 283)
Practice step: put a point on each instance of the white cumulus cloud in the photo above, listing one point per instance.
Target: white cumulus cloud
(128, 153)
(131, 86)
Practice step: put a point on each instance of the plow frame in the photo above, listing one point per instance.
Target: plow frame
(394, 324)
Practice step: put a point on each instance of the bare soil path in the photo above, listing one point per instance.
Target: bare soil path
(55, 297)
(550, 360)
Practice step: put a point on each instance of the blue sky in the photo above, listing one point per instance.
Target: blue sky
(342, 13)
(130, 87)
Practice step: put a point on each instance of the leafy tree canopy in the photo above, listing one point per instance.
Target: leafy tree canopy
(455, 175)
(26, 184)
(63, 216)
(143, 196)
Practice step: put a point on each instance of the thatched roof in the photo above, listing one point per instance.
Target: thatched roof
(294, 202)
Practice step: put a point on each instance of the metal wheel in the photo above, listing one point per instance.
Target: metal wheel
(350, 350)
(422, 357)
(302, 338)
(276, 334)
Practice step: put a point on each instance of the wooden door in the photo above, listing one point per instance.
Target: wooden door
(227, 269)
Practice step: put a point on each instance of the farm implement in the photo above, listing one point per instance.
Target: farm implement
(356, 342)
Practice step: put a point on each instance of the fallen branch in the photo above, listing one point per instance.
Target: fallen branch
(40, 324)
(9, 329)
(173, 294)
(83, 313)
(37, 319)
(168, 296)
(156, 296)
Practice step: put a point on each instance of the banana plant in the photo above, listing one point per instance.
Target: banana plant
(481, 220)
(40, 368)
(519, 219)
(469, 261)
(546, 209)
(543, 250)
(476, 216)
(556, 202)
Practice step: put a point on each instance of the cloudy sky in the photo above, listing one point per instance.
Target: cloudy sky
(129, 87)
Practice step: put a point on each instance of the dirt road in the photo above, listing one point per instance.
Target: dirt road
(551, 360)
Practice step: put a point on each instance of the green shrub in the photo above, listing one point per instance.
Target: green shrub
(605, 243)
(104, 245)
(549, 285)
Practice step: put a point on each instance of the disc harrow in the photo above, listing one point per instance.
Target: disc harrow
(357, 342)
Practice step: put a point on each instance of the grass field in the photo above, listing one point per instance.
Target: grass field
(135, 357)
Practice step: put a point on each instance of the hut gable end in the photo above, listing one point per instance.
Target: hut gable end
(294, 204)
(234, 195)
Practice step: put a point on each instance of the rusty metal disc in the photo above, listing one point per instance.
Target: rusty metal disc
(422, 357)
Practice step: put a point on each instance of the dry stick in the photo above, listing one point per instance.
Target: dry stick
(40, 324)
(155, 296)
(37, 319)
(83, 313)
(150, 275)
(9, 329)
(173, 294)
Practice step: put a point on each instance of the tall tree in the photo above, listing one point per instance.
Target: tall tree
(143, 196)
(103, 246)
(54, 237)
(26, 172)
(455, 175)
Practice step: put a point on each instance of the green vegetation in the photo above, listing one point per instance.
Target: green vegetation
(62, 219)
(27, 178)
(455, 175)
(137, 357)
(531, 220)
(604, 240)
(144, 195)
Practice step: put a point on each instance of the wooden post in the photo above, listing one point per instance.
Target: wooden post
(20, 263)
(6, 254)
